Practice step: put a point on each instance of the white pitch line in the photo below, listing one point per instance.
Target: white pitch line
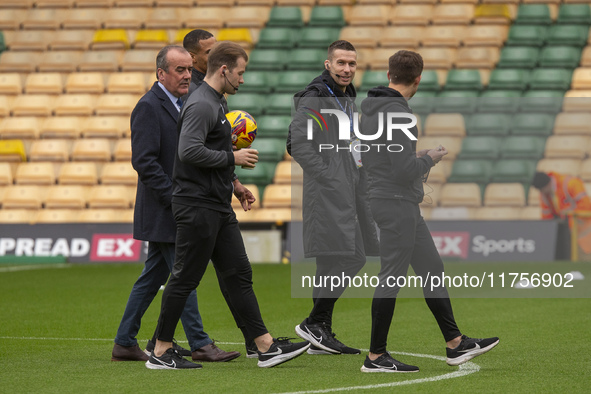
(32, 267)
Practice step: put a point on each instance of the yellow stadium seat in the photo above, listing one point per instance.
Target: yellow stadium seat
(92, 149)
(30, 40)
(6, 103)
(41, 173)
(460, 194)
(378, 59)
(11, 83)
(411, 14)
(104, 61)
(453, 144)
(104, 127)
(99, 216)
(12, 150)
(447, 36)
(486, 35)
(498, 213)
(61, 127)
(11, 18)
(54, 3)
(150, 39)
(438, 57)
(85, 82)
(126, 18)
(585, 171)
(492, 13)
(533, 196)
(445, 124)
(581, 78)
(404, 1)
(586, 57)
(571, 123)
(562, 166)
(240, 36)
(370, 15)
(21, 62)
(531, 213)
(504, 194)
(205, 17)
(84, 18)
(109, 196)
(309, 3)
(33, 105)
(248, 17)
(566, 147)
(432, 193)
(6, 175)
(75, 104)
(139, 60)
(477, 57)
(452, 213)
(60, 61)
(116, 104)
(50, 150)
(362, 37)
(207, 3)
(166, 17)
(134, 3)
(278, 216)
(23, 197)
(119, 173)
(111, 39)
(126, 215)
(453, 14)
(17, 216)
(322, 2)
(44, 83)
(288, 172)
(43, 18)
(440, 172)
(425, 211)
(20, 128)
(83, 173)
(122, 150)
(57, 216)
(95, 3)
(254, 189)
(401, 36)
(577, 101)
(127, 82)
(282, 196)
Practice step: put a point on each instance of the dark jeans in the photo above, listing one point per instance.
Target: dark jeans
(204, 234)
(156, 271)
(405, 240)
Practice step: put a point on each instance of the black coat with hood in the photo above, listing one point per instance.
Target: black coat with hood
(392, 174)
(335, 190)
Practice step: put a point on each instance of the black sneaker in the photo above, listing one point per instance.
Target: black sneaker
(469, 348)
(322, 337)
(281, 350)
(385, 363)
(251, 349)
(171, 359)
(183, 352)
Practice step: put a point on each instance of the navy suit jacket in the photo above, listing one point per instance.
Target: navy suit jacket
(154, 140)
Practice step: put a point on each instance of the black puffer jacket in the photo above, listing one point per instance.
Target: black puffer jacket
(335, 190)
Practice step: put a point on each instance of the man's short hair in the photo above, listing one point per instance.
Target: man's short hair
(225, 53)
(162, 59)
(340, 44)
(192, 39)
(405, 67)
(541, 179)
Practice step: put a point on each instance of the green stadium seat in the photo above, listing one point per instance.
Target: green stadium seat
(279, 104)
(273, 126)
(461, 101)
(505, 79)
(480, 148)
(513, 171)
(253, 103)
(278, 38)
(544, 101)
(488, 124)
(477, 171)
(285, 17)
(498, 101)
(373, 78)
(550, 78)
(294, 81)
(256, 82)
(318, 37)
(458, 79)
(518, 57)
(429, 81)
(574, 35)
(533, 14)
(328, 16)
(306, 59)
(267, 59)
(523, 147)
(2, 42)
(270, 149)
(560, 56)
(574, 14)
(261, 175)
(534, 124)
(527, 35)
(422, 102)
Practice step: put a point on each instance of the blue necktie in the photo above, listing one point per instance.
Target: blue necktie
(179, 102)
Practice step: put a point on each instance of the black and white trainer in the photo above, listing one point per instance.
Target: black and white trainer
(251, 349)
(385, 363)
(281, 350)
(182, 351)
(321, 336)
(171, 359)
(469, 348)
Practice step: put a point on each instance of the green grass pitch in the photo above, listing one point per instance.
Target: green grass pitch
(57, 325)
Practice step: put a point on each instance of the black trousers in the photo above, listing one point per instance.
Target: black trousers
(405, 240)
(204, 234)
(324, 299)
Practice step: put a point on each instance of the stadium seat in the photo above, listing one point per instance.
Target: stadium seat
(293, 81)
(365, 37)
(585, 171)
(504, 195)
(518, 57)
(488, 124)
(270, 59)
(586, 57)
(544, 101)
(11, 83)
(476, 171)
(239, 35)
(373, 78)
(110, 39)
(278, 38)
(6, 103)
(285, 17)
(278, 216)
(66, 197)
(492, 13)
(533, 197)
(61, 127)
(566, 147)
(32, 105)
(11, 18)
(6, 176)
(560, 56)
(24, 127)
(59, 61)
(109, 196)
(453, 14)
(118, 173)
(369, 15)
(150, 39)
(573, 35)
(116, 104)
(288, 172)
(85, 82)
(422, 102)
(23, 197)
(485, 35)
(573, 123)
(40, 173)
(400, 37)
(22, 62)
(318, 37)
(95, 3)
(168, 17)
(84, 18)
(523, 147)
(327, 16)
(253, 103)
(102, 61)
(550, 78)
(29, 40)
(440, 172)
(261, 175)
(306, 59)
(563, 166)
(56, 216)
(452, 213)
(139, 60)
(527, 35)
(126, 82)
(429, 81)
(498, 213)
(74, 104)
(480, 147)
(533, 14)
(513, 171)
(452, 144)
(438, 58)
(12, 150)
(445, 124)
(460, 195)
(576, 100)
(279, 104)
(42, 18)
(574, 14)
(126, 17)
(257, 82)
(44, 83)
(122, 150)
(270, 149)
(273, 126)
(134, 3)
(498, 101)
(95, 149)
(100, 215)
(460, 101)
(411, 14)
(282, 196)
(104, 126)
(530, 213)
(459, 79)
(17, 216)
(247, 16)
(477, 57)
(581, 78)
(443, 35)
(50, 150)
(507, 79)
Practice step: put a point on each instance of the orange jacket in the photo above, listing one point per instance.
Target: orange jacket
(568, 194)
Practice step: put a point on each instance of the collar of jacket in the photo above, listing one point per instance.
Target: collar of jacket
(324, 79)
(197, 76)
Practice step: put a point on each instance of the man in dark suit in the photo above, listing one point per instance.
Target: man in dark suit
(154, 141)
